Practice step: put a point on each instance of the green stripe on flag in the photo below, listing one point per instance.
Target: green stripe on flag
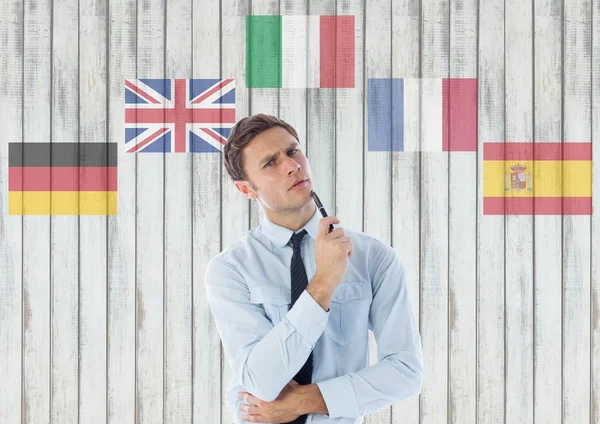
(263, 51)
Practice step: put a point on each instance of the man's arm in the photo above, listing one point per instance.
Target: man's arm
(398, 373)
(263, 357)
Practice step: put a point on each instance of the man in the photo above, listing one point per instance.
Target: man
(293, 313)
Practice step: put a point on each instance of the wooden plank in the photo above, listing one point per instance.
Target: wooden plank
(121, 244)
(405, 186)
(150, 233)
(490, 229)
(519, 229)
(93, 229)
(547, 228)
(235, 208)
(36, 229)
(462, 217)
(178, 233)
(434, 216)
(349, 125)
(595, 272)
(64, 230)
(206, 193)
(262, 100)
(11, 227)
(377, 165)
(293, 102)
(320, 126)
(576, 229)
(121, 337)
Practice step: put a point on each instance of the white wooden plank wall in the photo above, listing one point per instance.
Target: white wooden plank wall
(547, 34)
(104, 319)
(491, 275)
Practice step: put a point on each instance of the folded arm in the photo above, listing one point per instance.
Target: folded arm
(263, 357)
(398, 373)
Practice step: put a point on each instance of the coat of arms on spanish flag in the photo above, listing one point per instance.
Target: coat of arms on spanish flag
(541, 178)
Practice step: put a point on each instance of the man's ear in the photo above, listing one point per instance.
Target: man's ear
(244, 188)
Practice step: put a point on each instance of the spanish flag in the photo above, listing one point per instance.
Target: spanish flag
(537, 178)
(62, 178)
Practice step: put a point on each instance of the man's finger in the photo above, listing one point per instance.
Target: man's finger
(323, 228)
(254, 418)
(250, 398)
(249, 408)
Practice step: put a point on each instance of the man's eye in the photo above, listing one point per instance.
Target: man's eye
(294, 150)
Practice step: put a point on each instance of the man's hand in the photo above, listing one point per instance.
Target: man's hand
(281, 410)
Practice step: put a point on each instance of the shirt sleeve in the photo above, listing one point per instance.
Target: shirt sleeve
(398, 373)
(263, 357)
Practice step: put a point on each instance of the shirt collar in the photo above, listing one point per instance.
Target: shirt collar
(280, 236)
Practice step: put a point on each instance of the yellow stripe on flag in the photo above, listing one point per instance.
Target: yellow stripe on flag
(548, 178)
(62, 202)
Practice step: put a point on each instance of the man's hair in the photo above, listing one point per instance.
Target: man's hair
(242, 133)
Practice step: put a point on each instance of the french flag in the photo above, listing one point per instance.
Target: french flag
(422, 114)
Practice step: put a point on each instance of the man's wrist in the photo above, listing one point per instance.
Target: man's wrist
(321, 292)
(311, 400)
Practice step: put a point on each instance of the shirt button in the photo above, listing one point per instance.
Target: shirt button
(340, 296)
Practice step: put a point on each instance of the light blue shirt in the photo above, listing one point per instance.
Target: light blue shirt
(266, 343)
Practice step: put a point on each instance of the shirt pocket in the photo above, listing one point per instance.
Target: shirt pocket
(349, 312)
(275, 301)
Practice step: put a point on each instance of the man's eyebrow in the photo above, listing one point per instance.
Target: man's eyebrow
(266, 159)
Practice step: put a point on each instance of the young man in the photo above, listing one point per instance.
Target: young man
(293, 313)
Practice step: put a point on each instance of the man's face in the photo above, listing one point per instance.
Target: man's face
(273, 162)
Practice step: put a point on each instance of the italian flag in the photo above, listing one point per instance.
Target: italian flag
(300, 51)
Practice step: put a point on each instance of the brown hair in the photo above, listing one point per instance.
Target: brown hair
(242, 133)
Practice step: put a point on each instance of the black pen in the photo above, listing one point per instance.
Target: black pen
(320, 207)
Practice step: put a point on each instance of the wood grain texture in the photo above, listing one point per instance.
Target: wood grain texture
(405, 185)
(293, 104)
(150, 257)
(576, 229)
(262, 100)
(178, 233)
(349, 128)
(105, 319)
(490, 229)
(462, 232)
(93, 72)
(36, 126)
(206, 217)
(235, 207)
(121, 243)
(434, 216)
(595, 233)
(376, 166)
(64, 230)
(547, 229)
(11, 243)
(320, 127)
(519, 229)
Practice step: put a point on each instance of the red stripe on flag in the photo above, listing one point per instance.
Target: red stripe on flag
(147, 140)
(537, 205)
(214, 90)
(62, 178)
(140, 93)
(459, 114)
(162, 116)
(537, 151)
(337, 53)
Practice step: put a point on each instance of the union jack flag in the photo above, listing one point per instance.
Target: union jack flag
(178, 115)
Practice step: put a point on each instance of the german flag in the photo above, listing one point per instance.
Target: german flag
(62, 178)
(537, 178)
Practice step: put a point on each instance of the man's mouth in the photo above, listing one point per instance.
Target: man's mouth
(298, 183)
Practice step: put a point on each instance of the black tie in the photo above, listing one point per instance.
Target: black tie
(299, 283)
